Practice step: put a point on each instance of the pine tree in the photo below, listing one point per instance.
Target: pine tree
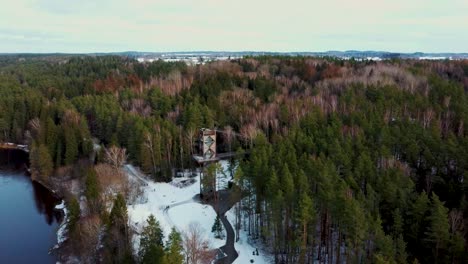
(217, 228)
(384, 249)
(51, 136)
(417, 222)
(174, 249)
(117, 239)
(41, 162)
(74, 213)
(418, 214)
(71, 146)
(118, 215)
(438, 232)
(400, 249)
(287, 185)
(151, 242)
(239, 180)
(86, 142)
(397, 223)
(306, 216)
(146, 160)
(92, 190)
(58, 153)
(209, 177)
(356, 226)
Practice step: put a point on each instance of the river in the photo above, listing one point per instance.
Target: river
(28, 221)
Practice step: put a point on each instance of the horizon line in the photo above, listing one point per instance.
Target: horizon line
(225, 51)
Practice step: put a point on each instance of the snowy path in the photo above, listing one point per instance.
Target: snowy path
(167, 207)
(131, 171)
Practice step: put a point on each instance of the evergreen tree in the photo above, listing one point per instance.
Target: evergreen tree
(74, 213)
(384, 249)
(174, 248)
(41, 162)
(306, 214)
(118, 215)
(151, 242)
(397, 223)
(438, 233)
(92, 189)
(400, 249)
(71, 146)
(59, 153)
(217, 228)
(117, 239)
(51, 136)
(86, 142)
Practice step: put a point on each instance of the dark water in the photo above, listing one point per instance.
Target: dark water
(28, 221)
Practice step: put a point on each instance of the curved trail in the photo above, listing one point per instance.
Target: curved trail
(228, 248)
(224, 204)
(167, 207)
(131, 171)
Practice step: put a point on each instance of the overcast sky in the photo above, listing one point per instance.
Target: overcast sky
(233, 25)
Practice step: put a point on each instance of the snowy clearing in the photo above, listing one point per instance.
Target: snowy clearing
(184, 214)
(172, 206)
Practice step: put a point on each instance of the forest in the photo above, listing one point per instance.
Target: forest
(350, 161)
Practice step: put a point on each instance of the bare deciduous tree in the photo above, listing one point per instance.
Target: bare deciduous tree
(228, 131)
(148, 143)
(249, 132)
(116, 156)
(86, 238)
(190, 135)
(456, 220)
(71, 117)
(115, 181)
(196, 247)
(34, 126)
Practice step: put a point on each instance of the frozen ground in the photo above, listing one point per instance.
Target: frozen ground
(61, 232)
(184, 214)
(172, 206)
(244, 248)
(224, 176)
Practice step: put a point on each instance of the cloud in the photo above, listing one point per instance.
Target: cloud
(294, 25)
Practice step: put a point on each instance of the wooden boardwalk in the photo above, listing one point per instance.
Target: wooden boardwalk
(7, 145)
(219, 156)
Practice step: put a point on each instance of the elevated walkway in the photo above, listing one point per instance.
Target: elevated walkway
(7, 145)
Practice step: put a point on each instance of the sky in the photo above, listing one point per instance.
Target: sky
(82, 26)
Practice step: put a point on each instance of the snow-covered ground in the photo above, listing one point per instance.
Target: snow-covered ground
(184, 214)
(224, 176)
(61, 232)
(245, 248)
(172, 206)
